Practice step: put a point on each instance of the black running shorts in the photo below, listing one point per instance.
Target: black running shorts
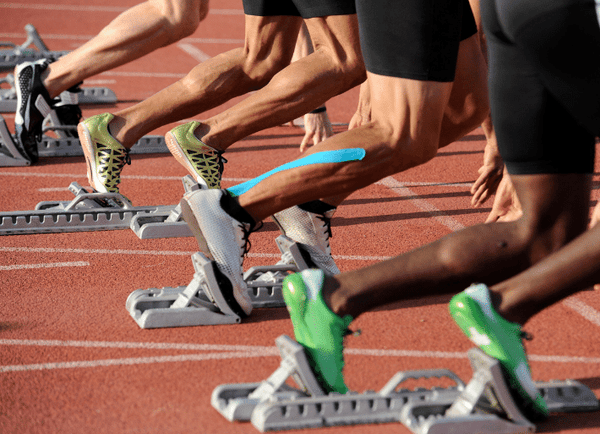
(544, 83)
(299, 8)
(414, 39)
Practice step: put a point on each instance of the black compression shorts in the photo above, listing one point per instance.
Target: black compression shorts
(299, 8)
(544, 83)
(414, 39)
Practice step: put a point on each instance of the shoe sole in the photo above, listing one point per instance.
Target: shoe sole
(90, 158)
(177, 151)
(192, 222)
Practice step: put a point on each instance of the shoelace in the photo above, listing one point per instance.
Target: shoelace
(327, 222)
(246, 235)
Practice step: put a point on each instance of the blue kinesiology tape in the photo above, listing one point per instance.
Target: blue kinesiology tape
(337, 156)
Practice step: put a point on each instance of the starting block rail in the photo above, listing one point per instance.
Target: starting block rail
(202, 302)
(32, 49)
(484, 405)
(86, 212)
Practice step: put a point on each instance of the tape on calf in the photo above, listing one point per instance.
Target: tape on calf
(337, 156)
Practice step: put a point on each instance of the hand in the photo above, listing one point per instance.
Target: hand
(506, 205)
(490, 175)
(317, 128)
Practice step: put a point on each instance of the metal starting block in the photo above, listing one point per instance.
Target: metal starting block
(202, 303)
(88, 211)
(31, 50)
(483, 406)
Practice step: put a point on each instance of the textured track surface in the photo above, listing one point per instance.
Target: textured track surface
(73, 361)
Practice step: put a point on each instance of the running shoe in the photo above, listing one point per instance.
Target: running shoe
(222, 239)
(33, 105)
(104, 155)
(68, 113)
(472, 310)
(204, 163)
(317, 328)
(311, 229)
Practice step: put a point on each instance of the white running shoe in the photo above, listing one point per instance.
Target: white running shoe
(222, 238)
(312, 231)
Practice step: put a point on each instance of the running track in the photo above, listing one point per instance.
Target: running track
(73, 361)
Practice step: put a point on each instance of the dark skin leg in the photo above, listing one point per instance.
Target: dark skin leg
(556, 211)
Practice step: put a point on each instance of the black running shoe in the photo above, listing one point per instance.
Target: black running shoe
(33, 105)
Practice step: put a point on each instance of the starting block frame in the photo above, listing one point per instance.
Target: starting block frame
(484, 405)
(94, 211)
(31, 50)
(201, 301)
(88, 211)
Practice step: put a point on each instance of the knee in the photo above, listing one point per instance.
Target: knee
(182, 17)
(259, 69)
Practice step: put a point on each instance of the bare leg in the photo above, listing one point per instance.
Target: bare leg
(555, 212)
(268, 49)
(334, 67)
(133, 34)
(407, 117)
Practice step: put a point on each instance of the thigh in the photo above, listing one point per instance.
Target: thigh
(338, 33)
(271, 38)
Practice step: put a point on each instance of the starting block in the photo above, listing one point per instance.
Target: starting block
(31, 50)
(202, 302)
(483, 406)
(88, 211)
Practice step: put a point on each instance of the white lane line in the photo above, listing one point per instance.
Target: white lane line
(49, 265)
(164, 253)
(130, 361)
(138, 345)
(195, 52)
(247, 351)
(77, 8)
(397, 186)
(401, 190)
(583, 309)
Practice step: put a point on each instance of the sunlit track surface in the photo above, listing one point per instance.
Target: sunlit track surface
(72, 360)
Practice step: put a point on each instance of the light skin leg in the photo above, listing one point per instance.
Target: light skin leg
(133, 34)
(407, 117)
(333, 67)
(269, 45)
(440, 113)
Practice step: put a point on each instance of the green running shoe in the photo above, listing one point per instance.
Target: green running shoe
(317, 328)
(104, 155)
(472, 310)
(204, 163)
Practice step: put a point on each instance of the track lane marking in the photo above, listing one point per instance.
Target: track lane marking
(47, 265)
(245, 352)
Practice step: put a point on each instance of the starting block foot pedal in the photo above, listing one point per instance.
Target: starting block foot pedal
(483, 406)
(156, 308)
(167, 224)
(200, 303)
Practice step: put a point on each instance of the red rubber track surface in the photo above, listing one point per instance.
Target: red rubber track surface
(72, 360)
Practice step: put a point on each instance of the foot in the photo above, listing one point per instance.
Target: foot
(473, 312)
(204, 163)
(104, 155)
(33, 105)
(311, 228)
(317, 328)
(222, 239)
